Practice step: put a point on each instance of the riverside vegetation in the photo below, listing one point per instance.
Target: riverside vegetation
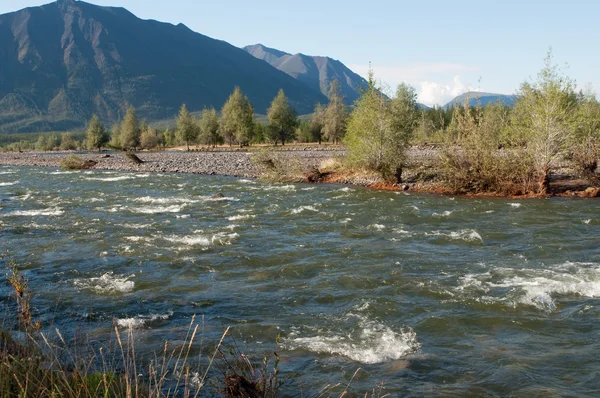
(480, 150)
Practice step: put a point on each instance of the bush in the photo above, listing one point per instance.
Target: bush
(73, 162)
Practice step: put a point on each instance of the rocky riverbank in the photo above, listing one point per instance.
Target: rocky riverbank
(230, 163)
(299, 164)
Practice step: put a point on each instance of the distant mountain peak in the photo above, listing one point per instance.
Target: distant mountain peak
(481, 98)
(316, 72)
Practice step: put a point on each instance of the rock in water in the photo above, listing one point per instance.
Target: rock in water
(217, 196)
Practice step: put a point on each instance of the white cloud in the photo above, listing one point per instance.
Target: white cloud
(433, 93)
(436, 83)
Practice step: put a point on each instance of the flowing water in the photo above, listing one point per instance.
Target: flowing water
(430, 295)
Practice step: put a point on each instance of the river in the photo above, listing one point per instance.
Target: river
(429, 295)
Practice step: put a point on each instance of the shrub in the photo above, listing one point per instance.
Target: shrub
(73, 162)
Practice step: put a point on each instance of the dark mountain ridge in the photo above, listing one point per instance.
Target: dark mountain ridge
(64, 61)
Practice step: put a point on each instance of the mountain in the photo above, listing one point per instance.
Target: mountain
(315, 72)
(64, 61)
(482, 98)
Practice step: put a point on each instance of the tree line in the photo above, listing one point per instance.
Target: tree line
(235, 124)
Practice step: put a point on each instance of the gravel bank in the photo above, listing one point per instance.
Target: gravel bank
(230, 163)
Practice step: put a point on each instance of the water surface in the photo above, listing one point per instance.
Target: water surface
(430, 295)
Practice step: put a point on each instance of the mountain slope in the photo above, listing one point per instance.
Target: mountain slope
(315, 72)
(482, 98)
(64, 61)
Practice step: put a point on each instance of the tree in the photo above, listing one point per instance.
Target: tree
(168, 137)
(376, 136)
(53, 142)
(187, 128)
(336, 114)
(96, 135)
(149, 139)
(115, 137)
(584, 141)
(130, 130)
(41, 144)
(209, 127)
(543, 116)
(67, 143)
(282, 118)
(317, 123)
(237, 118)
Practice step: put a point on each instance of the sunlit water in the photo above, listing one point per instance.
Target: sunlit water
(430, 295)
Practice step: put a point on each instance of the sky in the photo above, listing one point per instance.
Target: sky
(441, 48)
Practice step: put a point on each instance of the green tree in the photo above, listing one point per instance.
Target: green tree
(209, 127)
(169, 137)
(282, 118)
(67, 143)
(584, 142)
(53, 142)
(336, 114)
(115, 137)
(317, 123)
(149, 138)
(187, 128)
(130, 130)
(41, 144)
(237, 118)
(376, 136)
(96, 135)
(544, 118)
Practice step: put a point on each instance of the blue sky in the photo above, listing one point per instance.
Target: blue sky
(442, 48)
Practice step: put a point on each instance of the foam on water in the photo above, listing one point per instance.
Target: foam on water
(8, 184)
(57, 211)
(111, 179)
(162, 201)
(377, 227)
(7, 172)
(515, 205)
(538, 288)
(304, 208)
(467, 235)
(240, 217)
(156, 209)
(373, 342)
(190, 240)
(204, 240)
(446, 213)
(140, 321)
(109, 283)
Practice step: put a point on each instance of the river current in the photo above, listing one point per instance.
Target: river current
(429, 295)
